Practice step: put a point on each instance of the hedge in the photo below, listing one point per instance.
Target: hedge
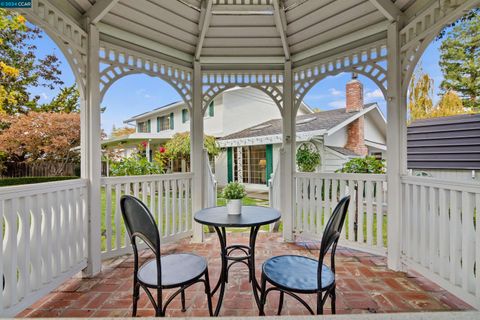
(29, 180)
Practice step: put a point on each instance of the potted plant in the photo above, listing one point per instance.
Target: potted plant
(234, 192)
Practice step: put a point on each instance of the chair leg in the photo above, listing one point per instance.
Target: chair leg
(319, 303)
(280, 303)
(208, 293)
(135, 296)
(333, 297)
(263, 297)
(182, 294)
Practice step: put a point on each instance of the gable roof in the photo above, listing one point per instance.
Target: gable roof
(151, 112)
(444, 143)
(318, 122)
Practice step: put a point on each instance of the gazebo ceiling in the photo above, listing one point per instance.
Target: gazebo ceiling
(241, 31)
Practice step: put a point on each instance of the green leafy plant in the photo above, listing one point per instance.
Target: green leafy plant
(234, 190)
(135, 165)
(369, 164)
(307, 160)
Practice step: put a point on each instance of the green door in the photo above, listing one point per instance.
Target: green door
(229, 164)
(269, 155)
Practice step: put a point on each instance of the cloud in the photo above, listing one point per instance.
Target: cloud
(44, 96)
(335, 92)
(374, 95)
(337, 104)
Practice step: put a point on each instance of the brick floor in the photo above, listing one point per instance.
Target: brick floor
(364, 284)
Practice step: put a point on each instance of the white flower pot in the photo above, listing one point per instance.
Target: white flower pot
(234, 206)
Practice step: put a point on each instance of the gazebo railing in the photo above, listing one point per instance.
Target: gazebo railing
(317, 194)
(43, 231)
(210, 184)
(168, 196)
(441, 233)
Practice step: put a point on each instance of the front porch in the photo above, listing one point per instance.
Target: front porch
(365, 285)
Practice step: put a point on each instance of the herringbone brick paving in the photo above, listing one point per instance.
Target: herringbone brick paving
(364, 284)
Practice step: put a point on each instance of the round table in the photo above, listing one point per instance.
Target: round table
(251, 217)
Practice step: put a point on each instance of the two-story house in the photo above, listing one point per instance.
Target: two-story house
(248, 128)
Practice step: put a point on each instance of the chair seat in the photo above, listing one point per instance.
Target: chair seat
(177, 269)
(296, 273)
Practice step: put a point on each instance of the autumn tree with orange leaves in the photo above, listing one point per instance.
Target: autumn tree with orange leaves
(41, 136)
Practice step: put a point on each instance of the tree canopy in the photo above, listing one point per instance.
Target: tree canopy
(20, 66)
(460, 60)
(41, 136)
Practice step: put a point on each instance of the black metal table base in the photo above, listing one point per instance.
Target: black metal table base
(228, 260)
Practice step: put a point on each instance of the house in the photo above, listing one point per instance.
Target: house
(445, 147)
(248, 128)
(338, 135)
(233, 110)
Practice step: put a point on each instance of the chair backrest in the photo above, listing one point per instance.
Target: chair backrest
(140, 223)
(334, 226)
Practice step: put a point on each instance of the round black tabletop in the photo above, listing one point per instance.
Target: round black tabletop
(251, 216)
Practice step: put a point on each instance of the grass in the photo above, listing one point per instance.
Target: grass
(247, 201)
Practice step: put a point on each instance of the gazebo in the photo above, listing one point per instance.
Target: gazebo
(202, 48)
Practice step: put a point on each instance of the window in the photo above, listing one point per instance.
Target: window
(185, 115)
(211, 110)
(165, 123)
(377, 155)
(144, 127)
(254, 164)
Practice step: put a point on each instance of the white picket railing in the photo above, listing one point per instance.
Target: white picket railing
(441, 233)
(317, 194)
(43, 230)
(210, 184)
(168, 196)
(274, 196)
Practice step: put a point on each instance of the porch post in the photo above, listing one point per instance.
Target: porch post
(91, 151)
(396, 146)
(196, 147)
(288, 164)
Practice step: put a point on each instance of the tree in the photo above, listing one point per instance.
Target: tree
(41, 136)
(67, 101)
(120, 132)
(18, 52)
(460, 60)
(420, 104)
(179, 146)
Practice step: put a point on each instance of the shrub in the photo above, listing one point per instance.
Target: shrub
(368, 164)
(30, 180)
(307, 160)
(234, 190)
(135, 165)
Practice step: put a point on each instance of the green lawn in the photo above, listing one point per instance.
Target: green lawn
(220, 202)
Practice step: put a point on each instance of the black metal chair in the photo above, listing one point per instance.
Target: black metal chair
(292, 275)
(162, 272)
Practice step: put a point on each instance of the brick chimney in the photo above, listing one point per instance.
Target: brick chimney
(355, 130)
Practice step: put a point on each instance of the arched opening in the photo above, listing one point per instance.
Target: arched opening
(141, 115)
(441, 92)
(348, 121)
(248, 128)
(42, 93)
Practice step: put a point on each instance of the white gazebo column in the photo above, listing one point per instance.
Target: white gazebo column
(91, 151)
(396, 146)
(196, 147)
(287, 168)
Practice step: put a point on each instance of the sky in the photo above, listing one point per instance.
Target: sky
(135, 94)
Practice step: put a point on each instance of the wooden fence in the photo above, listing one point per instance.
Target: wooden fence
(42, 169)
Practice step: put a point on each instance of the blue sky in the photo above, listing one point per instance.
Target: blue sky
(135, 94)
